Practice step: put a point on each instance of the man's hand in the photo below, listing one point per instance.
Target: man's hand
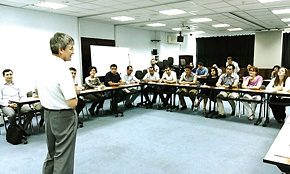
(13, 105)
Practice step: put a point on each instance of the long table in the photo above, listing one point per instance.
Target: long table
(279, 152)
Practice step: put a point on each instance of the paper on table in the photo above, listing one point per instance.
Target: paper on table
(125, 85)
(204, 86)
(151, 82)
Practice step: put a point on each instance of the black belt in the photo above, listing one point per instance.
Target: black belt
(57, 110)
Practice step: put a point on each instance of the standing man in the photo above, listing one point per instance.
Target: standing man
(154, 66)
(236, 65)
(58, 97)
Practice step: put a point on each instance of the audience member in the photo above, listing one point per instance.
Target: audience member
(229, 80)
(230, 60)
(10, 91)
(246, 73)
(280, 83)
(275, 70)
(253, 81)
(154, 66)
(211, 80)
(219, 71)
(201, 70)
(93, 82)
(169, 77)
(81, 103)
(129, 78)
(152, 76)
(189, 78)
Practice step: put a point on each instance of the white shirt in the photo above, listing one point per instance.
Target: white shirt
(148, 76)
(172, 76)
(285, 89)
(130, 78)
(55, 85)
(9, 92)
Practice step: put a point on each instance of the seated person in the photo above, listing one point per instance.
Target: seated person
(246, 73)
(219, 71)
(211, 80)
(280, 83)
(231, 80)
(274, 72)
(190, 78)
(167, 77)
(192, 67)
(10, 91)
(81, 103)
(201, 70)
(253, 81)
(113, 78)
(152, 76)
(230, 60)
(129, 78)
(98, 98)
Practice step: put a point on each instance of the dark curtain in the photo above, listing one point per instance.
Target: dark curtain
(286, 50)
(215, 50)
(86, 51)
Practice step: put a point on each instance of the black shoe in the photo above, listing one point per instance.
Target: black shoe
(41, 122)
(26, 133)
(183, 108)
(24, 141)
(92, 112)
(149, 105)
(81, 125)
(129, 105)
(233, 113)
(159, 106)
(220, 116)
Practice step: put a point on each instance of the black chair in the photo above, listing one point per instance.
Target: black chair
(139, 74)
(144, 72)
(165, 63)
(170, 61)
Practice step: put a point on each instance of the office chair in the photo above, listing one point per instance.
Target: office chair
(139, 74)
(165, 63)
(170, 61)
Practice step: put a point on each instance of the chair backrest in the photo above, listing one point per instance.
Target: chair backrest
(144, 72)
(170, 61)
(139, 74)
(161, 65)
(165, 63)
(182, 62)
(29, 94)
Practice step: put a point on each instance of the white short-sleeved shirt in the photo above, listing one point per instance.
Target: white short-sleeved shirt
(172, 76)
(148, 76)
(55, 85)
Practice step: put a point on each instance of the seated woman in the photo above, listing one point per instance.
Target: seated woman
(274, 72)
(280, 83)
(253, 81)
(97, 98)
(211, 80)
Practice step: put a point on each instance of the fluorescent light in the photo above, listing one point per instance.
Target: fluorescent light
(122, 18)
(221, 25)
(266, 1)
(50, 5)
(285, 19)
(235, 29)
(201, 20)
(197, 32)
(172, 12)
(156, 25)
(283, 11)
(176, 29)
(288, 25)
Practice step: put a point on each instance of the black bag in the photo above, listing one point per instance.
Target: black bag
(14, 134)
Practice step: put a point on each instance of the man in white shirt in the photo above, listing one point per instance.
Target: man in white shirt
(154, 66)
(58, 97)
(218, 69)
(170, 78)
(151, 76)
(129, 78)
(10, 91)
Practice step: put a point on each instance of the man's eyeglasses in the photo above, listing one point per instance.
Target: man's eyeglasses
(130, 70)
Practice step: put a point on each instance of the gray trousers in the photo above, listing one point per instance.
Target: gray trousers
(11, 114)
(134, 95)
(60, 129)
(224, 94)
(186, 92)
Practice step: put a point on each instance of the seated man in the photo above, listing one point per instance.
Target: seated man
(154, 66)
(81, 103)
(231, 80)
(167, 77)
(10, 91)
(152, 76)
(129, 78)
(201, 70)
(190, 78)
(112, 78)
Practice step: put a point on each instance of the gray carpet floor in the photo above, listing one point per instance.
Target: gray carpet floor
(151, 141)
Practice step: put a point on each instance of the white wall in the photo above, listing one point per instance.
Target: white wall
(268, 49)
(24, 42)
(92, 29)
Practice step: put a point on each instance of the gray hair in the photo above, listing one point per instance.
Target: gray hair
(60, 40)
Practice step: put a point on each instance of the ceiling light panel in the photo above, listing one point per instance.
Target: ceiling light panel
(235, 29)
(172, 12)
(266, 1)
(176, 29)
(286, 20)
(156, 25)
(282, 11)
(122, 18)
(220, 25)
(50, 5)
(201, 20)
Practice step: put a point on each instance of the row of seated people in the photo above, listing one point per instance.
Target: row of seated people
(230, 79)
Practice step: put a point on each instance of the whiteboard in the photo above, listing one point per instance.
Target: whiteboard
(103, 57)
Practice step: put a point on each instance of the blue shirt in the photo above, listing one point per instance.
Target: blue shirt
(9, 92)
(201, 71)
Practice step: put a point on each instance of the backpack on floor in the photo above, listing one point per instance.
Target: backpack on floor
(14, 134)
